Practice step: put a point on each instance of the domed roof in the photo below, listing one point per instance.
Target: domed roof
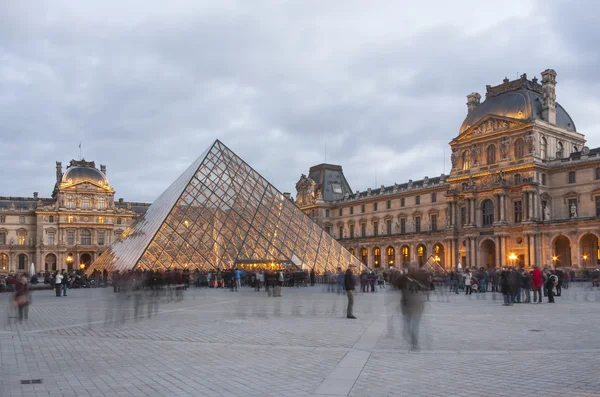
(519, 99)
(79, 174)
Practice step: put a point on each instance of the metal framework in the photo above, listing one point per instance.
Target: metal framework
(218, 212)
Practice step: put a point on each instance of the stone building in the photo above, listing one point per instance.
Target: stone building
(524, 189)
(68, 230)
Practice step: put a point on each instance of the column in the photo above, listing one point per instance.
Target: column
(497, 253)
(468, 252)
(502, 208)
(450, 211)
(476, 253)
(530, 199)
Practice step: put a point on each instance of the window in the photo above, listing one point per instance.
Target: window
(375, 229)
(390, 255)
(85, 202)
(377, 256)
(519, 149)
(70, 237)
(101, 203)
(488, 212)
(22, 259)
(2, 238)
(518, 211)
(351, 250)
(433, 220)
(326, 213)
(517, 179)
(364, 255)
(101, 220)
(403, 226)
(328, 229)
(375, 206)
(101, 237)
(463, 216)
(597, 208)
(418, 224)
(572, 203)
(3, 261)
(544, 148)
(50, 238)
(86, 237)
(572, 177)
(341, 232)
(405, 254)
(336, 187)
(543, 179)
(434, 197)
(491, 154)
(22, 220)
(51, 219)
(389, 204)
(351, 210)
(597, 175)
(363, 230)
(402, 202)
(362, 208)
(71, 202)
(388, 225)
(417, 200)
(118, 221)
(21, 238)
(2, 219)
(340, 212)
(559, 150)
(351, 231)
(466, 160)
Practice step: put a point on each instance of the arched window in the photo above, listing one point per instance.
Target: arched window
(405, 254)
(391, 252)
(466, 160)
(351, 250)
(85, 202)
(364, 255)
(544, 148)
(491, 154)
(377, 256)
(519, 149)
(488, 212)
(86, 237)
(3, 262)
(517, 179)
(559, 150)
(101, 220)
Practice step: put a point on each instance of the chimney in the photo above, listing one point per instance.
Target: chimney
(473, 101)
(120, 201)
(58, 171)
(35, 195)
(549, 96)
(103, 169)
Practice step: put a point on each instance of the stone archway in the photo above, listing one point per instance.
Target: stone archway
(561, 255)
(390, 254)
(405, 255)
(50, 262)
(86, 260)
(487, 254)
(589, 250)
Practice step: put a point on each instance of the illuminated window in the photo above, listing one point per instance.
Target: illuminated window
(86, 237)
(351, 250)
(3, 261)
(420, 250)
(21, 238)
(405, 254)
(364, 255)
(519, 149)
(466, 160)
(491, 154)
(70, 219)
(101, 220)
(377, 256)
(390, 255)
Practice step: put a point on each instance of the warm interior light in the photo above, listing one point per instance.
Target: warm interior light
(585, 256)
(512, 256)
(82, 266)
(555, 258)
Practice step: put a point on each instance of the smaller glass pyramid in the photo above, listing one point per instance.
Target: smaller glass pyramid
(220, 213)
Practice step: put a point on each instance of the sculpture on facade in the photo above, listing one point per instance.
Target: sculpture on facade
(546, 213)
(305, 189)
(530, 143)
(454, 158)
(475, 149)
(504, 144)
(573, 210)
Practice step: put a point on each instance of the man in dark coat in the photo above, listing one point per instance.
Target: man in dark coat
(349, 286)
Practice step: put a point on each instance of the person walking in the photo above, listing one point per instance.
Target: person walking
(238, 280)
(526, 286)
(537, 283)
(349, 286)
(505, 287)
(550, 283)
(58, 279)
(468, 286)
(312, 277)
(22, 297)
(65, 282)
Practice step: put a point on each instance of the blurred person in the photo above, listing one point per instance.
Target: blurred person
(505, 287)
(526, 285)
(58, 279)
(551, 282)
(312, 277)
(413, 287)
(238, 280)
(468, 282)
(515, 282)
(537, 283)
(350, 286)
(65, 282)
(22, 297)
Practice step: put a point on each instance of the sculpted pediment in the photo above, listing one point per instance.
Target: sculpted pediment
(488, 125)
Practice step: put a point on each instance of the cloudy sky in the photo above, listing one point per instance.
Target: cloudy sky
(381, 84)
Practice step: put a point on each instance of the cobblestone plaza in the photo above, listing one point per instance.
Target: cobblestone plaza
(219, 343)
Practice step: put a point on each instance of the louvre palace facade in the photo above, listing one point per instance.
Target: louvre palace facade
(524, 189)
(67, 230)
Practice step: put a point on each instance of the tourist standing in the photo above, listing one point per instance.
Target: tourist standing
(537, 282)
(526, 285)
(349, 286)
(468, 286)
(238, 280)
(505, 287)
(312, 277)
(550, 283)
(65, 282)
(58, 279)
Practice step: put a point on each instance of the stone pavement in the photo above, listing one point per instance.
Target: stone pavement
(220, 343)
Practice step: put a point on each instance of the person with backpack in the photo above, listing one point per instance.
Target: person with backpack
(550, 283)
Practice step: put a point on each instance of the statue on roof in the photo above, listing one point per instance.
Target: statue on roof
(305, 191)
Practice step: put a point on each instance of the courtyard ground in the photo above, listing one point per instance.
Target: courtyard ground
(221, 343)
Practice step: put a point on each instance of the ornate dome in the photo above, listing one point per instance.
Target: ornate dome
(79, 174)
(518, 99)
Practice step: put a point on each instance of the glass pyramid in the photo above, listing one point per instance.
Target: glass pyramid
(220, 213)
